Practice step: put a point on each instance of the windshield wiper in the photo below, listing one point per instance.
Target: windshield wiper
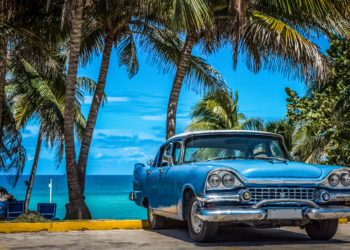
(269, 158)
(225, 158)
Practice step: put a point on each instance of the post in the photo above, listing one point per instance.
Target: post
(50, 187)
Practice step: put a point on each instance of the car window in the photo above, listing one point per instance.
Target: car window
(177, 152)
(210, 147)
(166, 158)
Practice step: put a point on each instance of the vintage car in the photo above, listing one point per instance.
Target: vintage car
(210, 178)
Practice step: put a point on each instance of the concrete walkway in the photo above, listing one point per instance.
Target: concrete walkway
(239, 238)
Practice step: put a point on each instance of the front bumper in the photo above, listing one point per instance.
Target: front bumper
(307, 210)
(249, 214)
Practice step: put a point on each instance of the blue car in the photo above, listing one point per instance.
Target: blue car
(208, 178)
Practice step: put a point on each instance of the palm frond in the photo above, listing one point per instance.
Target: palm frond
(271, 44)
(127, 54)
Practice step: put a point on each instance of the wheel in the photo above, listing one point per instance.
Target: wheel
(322, 229)
(155, 221)
(201, 231)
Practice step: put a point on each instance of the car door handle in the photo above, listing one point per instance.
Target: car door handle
(149, 172)
(161, 170)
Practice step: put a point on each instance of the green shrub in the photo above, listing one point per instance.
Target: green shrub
(30, 217)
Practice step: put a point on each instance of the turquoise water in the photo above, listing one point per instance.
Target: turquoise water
(106, 196)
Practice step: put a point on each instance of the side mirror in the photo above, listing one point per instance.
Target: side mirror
(297, 158)
(150, 162)
(138, 165)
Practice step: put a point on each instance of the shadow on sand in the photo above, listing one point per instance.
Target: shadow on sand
(247, 236)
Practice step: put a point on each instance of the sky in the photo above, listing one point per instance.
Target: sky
(131, 125)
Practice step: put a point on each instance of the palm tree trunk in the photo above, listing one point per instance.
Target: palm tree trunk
(177, 84)
(34, 167)
(95, 105)
(76, 209)
(3, 65)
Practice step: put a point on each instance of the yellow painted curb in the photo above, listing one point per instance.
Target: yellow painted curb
(59, 226)
(343, 221)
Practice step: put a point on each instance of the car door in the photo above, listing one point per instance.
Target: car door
(155, 192)
(167, 179)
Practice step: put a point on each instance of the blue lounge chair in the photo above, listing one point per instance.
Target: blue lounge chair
(14, 209)
(2, 210)
(47, 210)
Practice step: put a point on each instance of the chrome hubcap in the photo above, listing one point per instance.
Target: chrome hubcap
(196, 222)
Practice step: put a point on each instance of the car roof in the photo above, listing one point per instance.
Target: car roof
(233, 132)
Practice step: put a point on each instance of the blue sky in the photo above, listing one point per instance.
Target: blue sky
(131, 126)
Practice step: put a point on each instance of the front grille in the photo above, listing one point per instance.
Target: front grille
(259, 194)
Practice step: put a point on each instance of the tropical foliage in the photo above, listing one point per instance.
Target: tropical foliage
(322, 117)
(41, 98)
(272, 35)
(219, 110)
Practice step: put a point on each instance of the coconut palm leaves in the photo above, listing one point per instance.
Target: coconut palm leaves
(12, 153)
(274, 34)
(219, 110)
(41, 97)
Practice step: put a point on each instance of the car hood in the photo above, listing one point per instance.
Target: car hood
(274, 170)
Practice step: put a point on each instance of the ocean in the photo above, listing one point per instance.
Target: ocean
(106, 196)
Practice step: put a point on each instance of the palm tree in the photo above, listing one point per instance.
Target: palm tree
(18, 35)
(284, 127)
(219, 110)
(76, 207)
(116, 24)
(191, 21)
(41, 97)
(273, 35)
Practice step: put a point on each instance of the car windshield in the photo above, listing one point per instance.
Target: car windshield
(221, 147)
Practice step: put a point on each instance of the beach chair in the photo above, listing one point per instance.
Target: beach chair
(47, 210)
(14, 209)
(3, 210)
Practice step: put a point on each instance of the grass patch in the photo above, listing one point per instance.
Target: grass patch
(29, 218)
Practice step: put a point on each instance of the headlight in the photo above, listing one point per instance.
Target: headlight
(228, 180)
(214, 180)
(345, 179)
(334, 180)
(222, 179)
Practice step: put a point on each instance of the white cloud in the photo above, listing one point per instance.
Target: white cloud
(110, 99)
(117, 99)
(33, 131)
(101, 133)
(153, 117)
(162, 117)
(128, 153)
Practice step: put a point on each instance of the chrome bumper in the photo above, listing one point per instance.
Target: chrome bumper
(232, 215)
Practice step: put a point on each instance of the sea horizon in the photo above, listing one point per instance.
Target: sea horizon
(107, 196)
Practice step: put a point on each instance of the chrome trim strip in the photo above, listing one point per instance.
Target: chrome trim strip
(232, 214)
(280, 181)
(328, 213)
(222, 214)
(288, 201)
(339, 196)
(219, 198)
(263, 181)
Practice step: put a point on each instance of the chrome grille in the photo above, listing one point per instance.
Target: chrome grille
(259, 194)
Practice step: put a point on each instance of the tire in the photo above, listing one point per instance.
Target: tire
(155, 221)
(322, 229)
(200, 231)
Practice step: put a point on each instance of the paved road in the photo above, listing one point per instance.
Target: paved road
(239, 238)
